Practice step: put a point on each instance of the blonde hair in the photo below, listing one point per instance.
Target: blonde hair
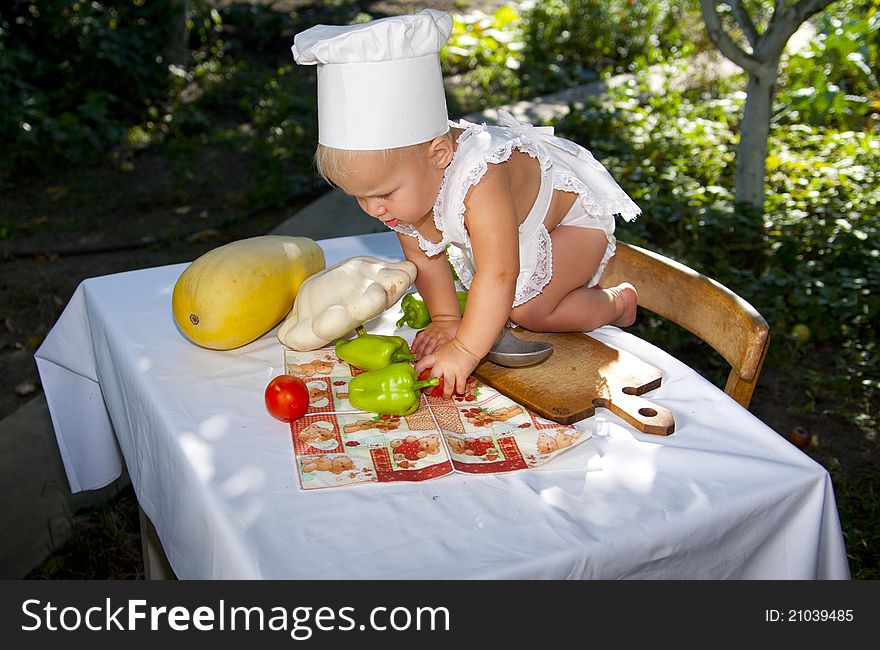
(332, 163)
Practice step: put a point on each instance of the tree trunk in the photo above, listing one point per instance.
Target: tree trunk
(762, 66)
(177, 47)
(751, 152)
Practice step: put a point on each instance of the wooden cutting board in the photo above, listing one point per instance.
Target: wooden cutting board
(582, 374)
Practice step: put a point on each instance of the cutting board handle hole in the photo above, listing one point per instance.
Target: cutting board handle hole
(648, 413)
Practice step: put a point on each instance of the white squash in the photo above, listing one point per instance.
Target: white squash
(333, 302)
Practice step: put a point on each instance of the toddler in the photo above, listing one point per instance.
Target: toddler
(526, 218)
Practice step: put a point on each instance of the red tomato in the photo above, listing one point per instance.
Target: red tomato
(433, 391)
(287, 398)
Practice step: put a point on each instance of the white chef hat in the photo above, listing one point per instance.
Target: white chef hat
(379, 84)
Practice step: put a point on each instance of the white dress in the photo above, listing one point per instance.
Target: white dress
(564, 166)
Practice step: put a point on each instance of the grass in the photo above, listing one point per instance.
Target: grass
(859, 507)
(104, 544)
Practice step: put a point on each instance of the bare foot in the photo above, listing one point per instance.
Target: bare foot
(626, 298)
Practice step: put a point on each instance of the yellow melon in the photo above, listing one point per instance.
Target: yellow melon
(235, 293)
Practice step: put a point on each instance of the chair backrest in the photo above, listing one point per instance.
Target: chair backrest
(702, 306)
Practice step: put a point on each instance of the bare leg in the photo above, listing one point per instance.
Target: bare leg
(565, 304)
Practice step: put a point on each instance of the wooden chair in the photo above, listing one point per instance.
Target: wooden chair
(702, 306)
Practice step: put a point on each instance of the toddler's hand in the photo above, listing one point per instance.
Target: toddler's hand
(450, 364)
(434, 335)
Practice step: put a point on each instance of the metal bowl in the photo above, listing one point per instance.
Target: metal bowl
(512, 352)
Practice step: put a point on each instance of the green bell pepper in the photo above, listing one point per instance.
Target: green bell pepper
(392, 390)
(373, 351)
(415, 312)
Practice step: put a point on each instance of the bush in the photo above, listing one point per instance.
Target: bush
(557, 44)
(569, 42)
(836, 81)
(816, 255)
(74, 75)
(483, 57)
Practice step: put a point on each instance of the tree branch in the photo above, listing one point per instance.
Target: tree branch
(722, 40)
(778, 13)
(745, 22)
(784, 23)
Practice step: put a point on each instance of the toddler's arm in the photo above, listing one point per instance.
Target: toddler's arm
(437, 288)
(492, 224)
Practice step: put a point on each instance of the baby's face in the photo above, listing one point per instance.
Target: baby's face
(393, 187)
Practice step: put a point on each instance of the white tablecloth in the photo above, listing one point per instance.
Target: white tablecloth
(724, 497)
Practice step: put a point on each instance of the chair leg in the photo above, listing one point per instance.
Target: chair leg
(742, 390)
(739, 389)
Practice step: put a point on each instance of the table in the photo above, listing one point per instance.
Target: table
(725, 497)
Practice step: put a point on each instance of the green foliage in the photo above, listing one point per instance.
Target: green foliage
(815, 261)
(96, 83)
(859, 507)
(285, 132)
(73, 74)
(836, 81)
(483, 53)
(557, 44)
(244, 93)
(569, 42)
(479, 40)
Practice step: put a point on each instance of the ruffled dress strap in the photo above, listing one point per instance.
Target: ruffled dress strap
(577, 170)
